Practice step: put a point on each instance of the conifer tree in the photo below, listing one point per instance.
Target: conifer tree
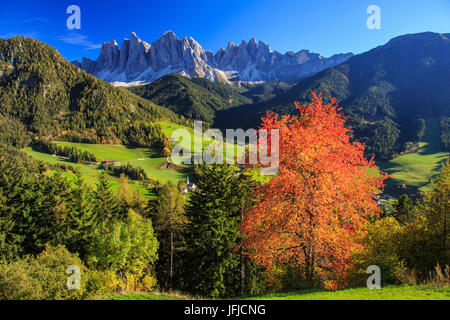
(80, 222)
(168, 221)
(130, 198)
(106, 205)
(214, 213)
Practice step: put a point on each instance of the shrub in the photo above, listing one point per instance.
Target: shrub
(129, 248)
(16, 282)
(101, 283)
(42, 277)
(418, 245)
(381, 249)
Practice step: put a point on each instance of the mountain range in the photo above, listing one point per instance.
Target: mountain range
(384, 91)
(137, 62)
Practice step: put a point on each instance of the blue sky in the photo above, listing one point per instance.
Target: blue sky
(326, 27)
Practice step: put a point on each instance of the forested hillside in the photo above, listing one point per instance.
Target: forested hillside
(43, 95)
(194, 98)
(260, 92)
(385, 91)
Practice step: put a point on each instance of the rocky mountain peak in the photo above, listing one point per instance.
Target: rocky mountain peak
(170, 34)
(137, 62)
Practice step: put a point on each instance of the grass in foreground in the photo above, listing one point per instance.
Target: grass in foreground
(386, 293)
(147, 296)
(403, 292)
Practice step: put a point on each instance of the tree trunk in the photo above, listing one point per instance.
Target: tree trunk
(445, 233)
(171, 258)
(242, 274)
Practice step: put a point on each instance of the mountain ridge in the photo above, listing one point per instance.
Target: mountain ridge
(136, 62)
(194, 98)
(385, 91)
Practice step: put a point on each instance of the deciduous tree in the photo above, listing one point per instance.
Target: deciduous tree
(322, 193)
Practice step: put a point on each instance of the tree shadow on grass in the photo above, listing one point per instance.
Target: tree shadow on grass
(153, 154)
(394, 188)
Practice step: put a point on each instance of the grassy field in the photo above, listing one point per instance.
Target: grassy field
(146, 158)
(168, 129)
(387, 293)
(89, 172)
(415, 170)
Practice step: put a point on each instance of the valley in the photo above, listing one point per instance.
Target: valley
(150, 162)
(409, 173)
(87, 177)
(149, 159)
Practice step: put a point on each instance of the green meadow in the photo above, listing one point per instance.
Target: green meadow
(409, 173)
(147, 158)
(169, 128)
(88, 172)
(413, 172)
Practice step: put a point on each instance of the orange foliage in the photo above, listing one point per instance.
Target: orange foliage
(322, 195)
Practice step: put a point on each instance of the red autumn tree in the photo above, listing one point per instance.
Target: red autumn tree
(321, 195)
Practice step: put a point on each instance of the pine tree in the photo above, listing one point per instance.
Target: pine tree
(130, 198)
(54, 209)
(106, 205)
(80, 221)
(214, 212)
(168, 221)
(11, 217)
